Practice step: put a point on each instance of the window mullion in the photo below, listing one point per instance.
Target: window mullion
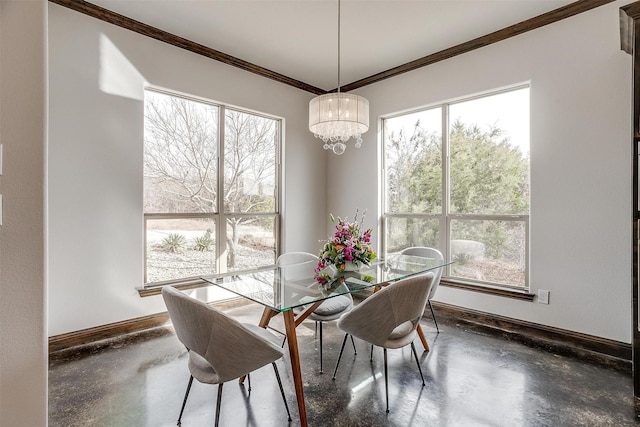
(280, 184)
(383, 189)
(221, 241)
(444, 217)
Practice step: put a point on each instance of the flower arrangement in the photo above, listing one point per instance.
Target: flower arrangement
(349, 244)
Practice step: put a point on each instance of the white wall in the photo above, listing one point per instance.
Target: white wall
(97, 72)
(580, 219)
(23, 349)
(580, 164)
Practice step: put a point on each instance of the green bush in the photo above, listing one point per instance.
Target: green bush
(462, 258)
(174, 242)
(203, 242)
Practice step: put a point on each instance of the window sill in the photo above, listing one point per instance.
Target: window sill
(157, 289)
(490, 290)
(484, 289)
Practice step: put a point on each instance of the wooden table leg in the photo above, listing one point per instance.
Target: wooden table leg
(290, 328)
(422, 338)
(267, 314)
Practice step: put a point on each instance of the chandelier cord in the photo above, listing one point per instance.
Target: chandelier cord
(335, 117)
(338, 46)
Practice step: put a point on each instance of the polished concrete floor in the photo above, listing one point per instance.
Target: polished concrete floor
(472, 379)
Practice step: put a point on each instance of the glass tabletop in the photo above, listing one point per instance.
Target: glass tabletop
(282, 288)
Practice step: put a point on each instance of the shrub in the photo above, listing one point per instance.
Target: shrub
(462, 258)
(173, 242)
(203, 242)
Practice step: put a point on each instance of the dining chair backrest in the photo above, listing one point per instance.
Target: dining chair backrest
(294, 272)
(295, 257)
(426, 252)
(375, 318)
(230, 348)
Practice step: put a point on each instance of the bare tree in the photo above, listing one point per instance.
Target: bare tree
(249, 170)
(181, 152)
(181, 146)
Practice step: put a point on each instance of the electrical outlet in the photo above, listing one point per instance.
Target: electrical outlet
(543, 296)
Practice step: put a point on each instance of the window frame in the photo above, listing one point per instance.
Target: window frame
(219, 215)
(445, 217)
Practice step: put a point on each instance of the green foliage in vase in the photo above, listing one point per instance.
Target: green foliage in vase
(349, 243)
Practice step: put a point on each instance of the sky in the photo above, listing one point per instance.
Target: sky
(507, 110)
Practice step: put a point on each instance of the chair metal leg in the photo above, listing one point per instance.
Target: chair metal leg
(371, 357)
(320, 345)
(354, 345)
(413, 349)
(344, 341)
(249, 380)
(386, 380)
(434, 317)
(218, 404)
(184, 402)
(284, 399)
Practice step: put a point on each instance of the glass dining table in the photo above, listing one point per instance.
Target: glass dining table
(294, 291)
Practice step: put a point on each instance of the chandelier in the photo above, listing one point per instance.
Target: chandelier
(336, 117)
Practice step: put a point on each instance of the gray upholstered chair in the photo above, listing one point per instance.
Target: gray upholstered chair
(389, 318)
(330, 309)
(220, 348)
(423, 251)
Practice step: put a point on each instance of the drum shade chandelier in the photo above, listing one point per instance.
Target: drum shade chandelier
(336, 117)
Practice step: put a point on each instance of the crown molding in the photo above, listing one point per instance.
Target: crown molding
(497, 36)
(106, 15)
(551, 17)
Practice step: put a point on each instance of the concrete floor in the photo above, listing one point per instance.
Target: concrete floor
(472, 379)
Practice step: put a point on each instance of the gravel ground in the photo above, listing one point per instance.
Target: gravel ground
(489, 270)
(163, 265)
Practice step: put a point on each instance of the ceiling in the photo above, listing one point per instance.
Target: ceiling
(298, 38)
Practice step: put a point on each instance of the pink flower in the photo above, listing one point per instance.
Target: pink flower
(348, 243)
(348, 253)
(321, 265)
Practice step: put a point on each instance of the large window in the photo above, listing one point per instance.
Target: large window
(456, 177)
(211, 176)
